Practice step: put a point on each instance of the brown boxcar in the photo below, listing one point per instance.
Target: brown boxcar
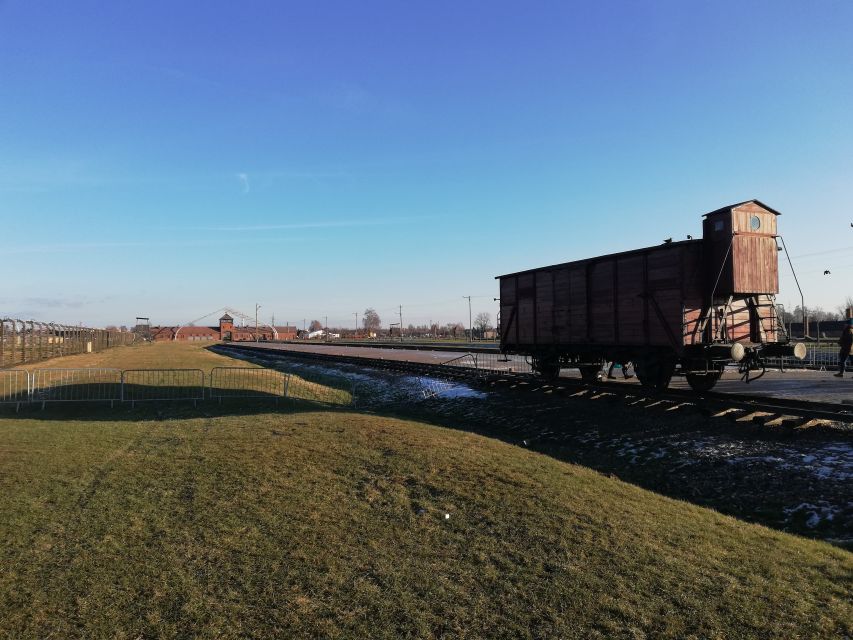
(697, 304)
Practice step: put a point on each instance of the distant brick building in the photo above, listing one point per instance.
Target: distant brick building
(225, 331)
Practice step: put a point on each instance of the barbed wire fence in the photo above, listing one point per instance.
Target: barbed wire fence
(27, 341)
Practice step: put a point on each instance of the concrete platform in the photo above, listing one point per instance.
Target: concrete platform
(816, 386)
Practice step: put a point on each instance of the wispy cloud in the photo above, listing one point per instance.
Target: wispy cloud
(72, 247)
(244, 182)
(319, 224)
(77, 302)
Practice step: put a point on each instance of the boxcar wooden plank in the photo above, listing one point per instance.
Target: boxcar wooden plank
(603, 315)
(545, 307)
(577, 305)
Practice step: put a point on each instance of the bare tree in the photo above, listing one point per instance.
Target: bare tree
(454, 328)
(784, 316)
(371, 321)
(315, 325)
(483, 322)
(847, 304)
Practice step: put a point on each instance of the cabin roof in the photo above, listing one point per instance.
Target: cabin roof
(737, 204)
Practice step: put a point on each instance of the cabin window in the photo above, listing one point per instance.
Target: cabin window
(718, 225)
(755, 223)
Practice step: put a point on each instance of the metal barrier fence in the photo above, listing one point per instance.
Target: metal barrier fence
(14, 386)
(75, 385)
(820, 357)
(144, 385)
(322, 389)
(18, 386)
(247, 382)
(26, 341)
(491, 363)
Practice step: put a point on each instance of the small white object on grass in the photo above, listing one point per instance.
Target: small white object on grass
(447, 516)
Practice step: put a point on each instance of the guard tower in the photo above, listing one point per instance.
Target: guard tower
(142, 329)
(226, 327)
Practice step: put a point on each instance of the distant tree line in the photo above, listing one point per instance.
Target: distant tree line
(814, 314)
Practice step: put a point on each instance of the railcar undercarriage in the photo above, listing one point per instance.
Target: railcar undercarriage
(702, 365)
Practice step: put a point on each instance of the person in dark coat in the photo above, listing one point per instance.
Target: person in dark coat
(845, 342)
(624, 366)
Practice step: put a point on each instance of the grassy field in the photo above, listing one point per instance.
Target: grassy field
(295, 523)
(168, 355)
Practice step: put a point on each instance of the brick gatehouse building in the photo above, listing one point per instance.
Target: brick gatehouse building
(225, 331)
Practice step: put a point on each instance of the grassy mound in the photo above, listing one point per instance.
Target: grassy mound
(334, 525)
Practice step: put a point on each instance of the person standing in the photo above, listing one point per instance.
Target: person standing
(623, 365)
(845, 342)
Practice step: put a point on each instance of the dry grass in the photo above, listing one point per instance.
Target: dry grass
(152, 355)
(332, 524)
(177, 355)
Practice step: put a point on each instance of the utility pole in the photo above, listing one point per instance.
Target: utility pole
(326, 336)
(257, 306)
(356, 323)
(401, 323)
(470, 324)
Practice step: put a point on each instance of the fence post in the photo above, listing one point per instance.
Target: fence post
(286, 383)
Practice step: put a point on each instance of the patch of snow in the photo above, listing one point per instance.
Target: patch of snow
(814, 513)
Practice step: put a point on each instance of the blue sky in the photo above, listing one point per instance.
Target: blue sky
(164, 159)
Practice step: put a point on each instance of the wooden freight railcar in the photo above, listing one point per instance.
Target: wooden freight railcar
(696, 304)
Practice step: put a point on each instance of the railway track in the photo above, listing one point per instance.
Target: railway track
(755, 410)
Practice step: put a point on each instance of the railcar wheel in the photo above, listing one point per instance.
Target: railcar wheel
(548, 369)
(589, 373)
(654, 373)
(702, 382)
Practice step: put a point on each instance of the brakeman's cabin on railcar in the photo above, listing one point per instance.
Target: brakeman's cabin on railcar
(695, 304)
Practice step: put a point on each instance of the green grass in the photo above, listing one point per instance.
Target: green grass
(332, 524)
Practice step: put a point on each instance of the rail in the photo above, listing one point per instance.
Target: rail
(464, 367)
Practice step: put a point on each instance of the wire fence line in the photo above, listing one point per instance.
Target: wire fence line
(19, 386)
(27, 341)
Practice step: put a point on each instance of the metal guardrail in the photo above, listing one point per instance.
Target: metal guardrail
(14, 386)
(247, 382)
(75, 385)
(821, 357)
(19, 386)
(490, 363)
(145, 385)
(321, 389)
